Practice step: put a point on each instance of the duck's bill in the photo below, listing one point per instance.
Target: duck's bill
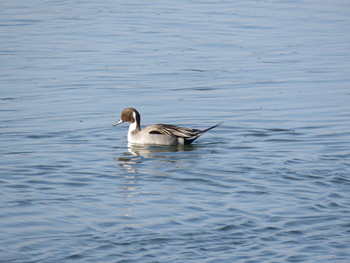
(117, 123)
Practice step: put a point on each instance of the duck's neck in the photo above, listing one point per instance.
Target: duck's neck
(134, 127)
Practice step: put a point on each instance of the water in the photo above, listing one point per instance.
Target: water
(271, 184)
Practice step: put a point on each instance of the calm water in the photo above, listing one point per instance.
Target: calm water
(272, 184)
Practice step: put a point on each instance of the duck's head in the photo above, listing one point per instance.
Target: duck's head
(129, 115)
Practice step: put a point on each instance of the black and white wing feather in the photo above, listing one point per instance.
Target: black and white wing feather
(188, 135)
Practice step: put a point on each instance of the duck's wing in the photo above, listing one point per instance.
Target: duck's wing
(189, 135)
(172, 130)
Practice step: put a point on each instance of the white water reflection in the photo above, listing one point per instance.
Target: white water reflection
(138, 154)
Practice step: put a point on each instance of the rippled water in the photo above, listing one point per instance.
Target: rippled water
(271, 184)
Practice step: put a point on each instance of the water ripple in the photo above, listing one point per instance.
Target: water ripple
(269, 185)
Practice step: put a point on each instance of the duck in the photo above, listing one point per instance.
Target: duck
(158, 134)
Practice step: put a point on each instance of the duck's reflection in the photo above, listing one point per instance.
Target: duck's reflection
(149, 151)
(155, 162)
(138, 154)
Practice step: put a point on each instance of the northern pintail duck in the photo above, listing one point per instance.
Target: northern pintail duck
(161, 134)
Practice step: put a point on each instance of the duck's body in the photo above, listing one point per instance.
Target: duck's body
(158, 134)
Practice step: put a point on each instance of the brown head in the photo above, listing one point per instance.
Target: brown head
(129, 115)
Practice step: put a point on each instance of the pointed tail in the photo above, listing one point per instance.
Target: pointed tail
(199, 133)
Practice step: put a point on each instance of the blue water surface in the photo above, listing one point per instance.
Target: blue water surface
(271, 184)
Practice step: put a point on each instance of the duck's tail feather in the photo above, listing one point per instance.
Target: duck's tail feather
(199, 133)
